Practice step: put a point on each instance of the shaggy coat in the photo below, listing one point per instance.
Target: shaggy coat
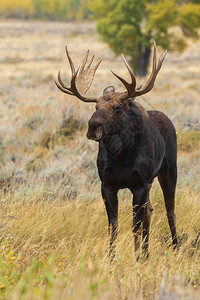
(135, 146)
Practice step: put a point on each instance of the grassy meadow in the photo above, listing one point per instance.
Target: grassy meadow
(53, 223)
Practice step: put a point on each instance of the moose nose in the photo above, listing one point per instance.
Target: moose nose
(94, 131)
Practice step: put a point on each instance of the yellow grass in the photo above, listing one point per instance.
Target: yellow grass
(75, 233)
(53, 224)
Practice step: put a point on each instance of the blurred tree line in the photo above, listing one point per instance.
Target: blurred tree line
(62, 10)
(128, 26)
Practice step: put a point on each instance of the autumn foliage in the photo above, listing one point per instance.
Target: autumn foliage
(45, 9)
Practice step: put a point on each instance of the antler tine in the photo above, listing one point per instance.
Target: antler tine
(62, 89)
(84, 61)
(91, 61)
(70, 61)
(129, 86)
(147, 86)
(133, 79)
(155, 69)
(125, 83)
(80, 80)
(97, 65)
(161, 59)
(132, 91)
(62, 83)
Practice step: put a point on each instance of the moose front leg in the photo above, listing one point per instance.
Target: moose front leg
(139, 201)
(109, 195)
(146, 224)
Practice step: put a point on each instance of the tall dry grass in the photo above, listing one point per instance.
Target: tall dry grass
(73, 234)
(53, 224)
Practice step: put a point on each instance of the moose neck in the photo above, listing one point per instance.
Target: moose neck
(126, 141)
(118, 143)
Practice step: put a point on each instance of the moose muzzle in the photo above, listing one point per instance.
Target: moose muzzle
(94, 132)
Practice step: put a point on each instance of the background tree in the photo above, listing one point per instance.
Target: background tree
(130, 26)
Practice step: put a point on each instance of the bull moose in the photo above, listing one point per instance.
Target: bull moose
(135, 146)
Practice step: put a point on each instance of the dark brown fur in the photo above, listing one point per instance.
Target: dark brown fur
(135, 146)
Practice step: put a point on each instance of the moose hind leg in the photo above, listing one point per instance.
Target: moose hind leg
(167, 178)
(111, 202)
(146, 224)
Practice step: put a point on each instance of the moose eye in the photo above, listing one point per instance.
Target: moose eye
(117, 108)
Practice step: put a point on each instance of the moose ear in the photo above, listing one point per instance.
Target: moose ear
(109, 89)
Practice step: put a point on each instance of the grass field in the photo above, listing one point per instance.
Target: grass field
(53, 224)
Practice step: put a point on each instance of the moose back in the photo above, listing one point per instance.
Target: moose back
(135, 146)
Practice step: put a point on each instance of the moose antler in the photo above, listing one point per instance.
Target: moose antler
(132, 91)
(81, 79)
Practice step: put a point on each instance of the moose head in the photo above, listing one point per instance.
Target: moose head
(135, 146)
(112, 107)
